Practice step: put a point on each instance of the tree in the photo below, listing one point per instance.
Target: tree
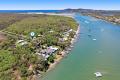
(51, 58)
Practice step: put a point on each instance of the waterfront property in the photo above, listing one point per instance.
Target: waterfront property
(48, 52)
(32, 40)
(90, 56)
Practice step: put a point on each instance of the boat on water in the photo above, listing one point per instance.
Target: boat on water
(98, 74)
(102, 30)
(86, 22)
(94, 39)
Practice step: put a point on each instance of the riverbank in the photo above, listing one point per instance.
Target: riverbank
(52, 34)
(115, 19)
(64, 52)
(88, 56)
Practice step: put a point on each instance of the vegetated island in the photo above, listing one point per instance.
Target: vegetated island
(114, 18)
(32, 43)
(108, 15)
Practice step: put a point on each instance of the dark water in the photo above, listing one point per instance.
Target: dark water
(97, 49)
(30, 11)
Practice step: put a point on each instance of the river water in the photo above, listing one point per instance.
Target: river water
(97, 50)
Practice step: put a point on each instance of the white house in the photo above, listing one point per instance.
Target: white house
(21, 42)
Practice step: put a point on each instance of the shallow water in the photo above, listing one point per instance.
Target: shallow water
(89, 56)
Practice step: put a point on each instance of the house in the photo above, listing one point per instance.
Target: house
(66, 34)
(51, 31)
(70, 30)
(50, 50)
(45, 56)
(61, 39)
(47, 52)
(21, 42)
(65, 38)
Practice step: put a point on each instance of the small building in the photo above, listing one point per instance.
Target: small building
(50, 50)
(61, 40)
(40, 35)
(51, 31)
(21, 42)
(70, 30)
(47, 52)
(66, 34)
(65, 38)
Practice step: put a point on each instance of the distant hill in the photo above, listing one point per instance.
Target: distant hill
(84, 11)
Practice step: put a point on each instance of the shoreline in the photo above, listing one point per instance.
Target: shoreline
(54, 14)
(63, 53)
(106, 20)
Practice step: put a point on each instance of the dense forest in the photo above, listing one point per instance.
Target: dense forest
(20, 62)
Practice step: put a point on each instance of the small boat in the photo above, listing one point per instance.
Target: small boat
(94, 39)
(98, 74)
(102, 30)
(86, 22)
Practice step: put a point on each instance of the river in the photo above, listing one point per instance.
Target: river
(96, 50)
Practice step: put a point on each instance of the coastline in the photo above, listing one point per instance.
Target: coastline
(106, 20)
(63, 53)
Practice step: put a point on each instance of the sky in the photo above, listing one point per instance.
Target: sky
(59, 4)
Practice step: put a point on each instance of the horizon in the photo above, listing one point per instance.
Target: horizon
(58, 9)
(59, 5)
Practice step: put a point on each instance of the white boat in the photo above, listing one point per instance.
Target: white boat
(94, 39)
(86, 22)
(98, 74)
(102, 30)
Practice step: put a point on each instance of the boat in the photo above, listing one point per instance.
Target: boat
(98, 74)
(86, 22)
(102, 30)
(94, 39)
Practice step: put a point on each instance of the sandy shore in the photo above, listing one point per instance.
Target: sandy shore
(58, 14)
